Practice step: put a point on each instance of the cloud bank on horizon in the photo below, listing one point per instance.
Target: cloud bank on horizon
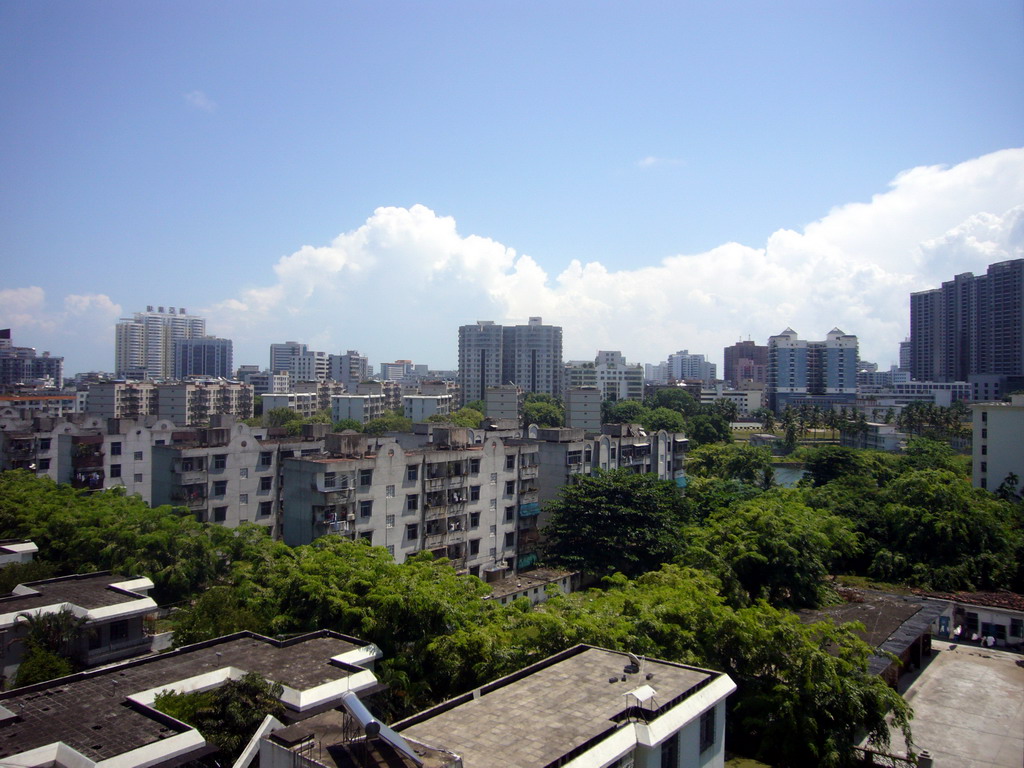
(399, 285)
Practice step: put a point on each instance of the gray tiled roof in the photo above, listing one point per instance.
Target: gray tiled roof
(90, 711)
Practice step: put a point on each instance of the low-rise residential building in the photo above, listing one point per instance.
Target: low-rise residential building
(422, 407)
(27, 404)
(106, 717)
(873, 436)
(16, 551)
(998, 442)
(747, 400)
(454, 497)
(585, 706)
(305, 404)
(361, 407)
(111, 608)
(974, 617)
(534, 585)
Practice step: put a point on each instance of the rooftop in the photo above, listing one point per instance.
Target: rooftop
(101, 713)
(538, 577)
(85, 591)
(562, 705)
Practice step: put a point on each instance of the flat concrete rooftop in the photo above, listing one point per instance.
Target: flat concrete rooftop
(543, 712)
(968, 707)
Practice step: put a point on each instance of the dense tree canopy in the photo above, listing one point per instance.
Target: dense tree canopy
(615, 522)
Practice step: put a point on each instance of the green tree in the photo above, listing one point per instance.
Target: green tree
(543, 414)
(675, 398)
(772, 548)
(663, 418)
(626, 412)
(704, 429)
(40, 665)
(614, 522)
(391, 423)
(280, 417)
(218, 611)
(228, 715)
(476, 405)
(346, 424)
(730, 462)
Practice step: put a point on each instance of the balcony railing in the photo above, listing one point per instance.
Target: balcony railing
(529, 470)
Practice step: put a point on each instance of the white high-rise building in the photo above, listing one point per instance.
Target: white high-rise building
(683, 366)
(144, 343)
(480, 359)
(609, 373)
(350, 368)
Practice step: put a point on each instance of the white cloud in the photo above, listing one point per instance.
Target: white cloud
(399, 285)
(200, 100)
(82, 330)
(406, 278)
(652, 161)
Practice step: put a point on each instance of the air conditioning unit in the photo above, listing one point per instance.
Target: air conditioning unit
(351, 516)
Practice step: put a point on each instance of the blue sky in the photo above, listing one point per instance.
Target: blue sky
(651, 176)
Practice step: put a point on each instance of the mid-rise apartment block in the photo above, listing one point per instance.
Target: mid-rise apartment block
(684, 366)
(822, 373)
(350, 368)
(609, 373)
(998, 442)
(184, 403)
(456, 498)
(21, 366)
(204, 357)
(972, 326)
(144, 343)
(305, 404)
(422, 407)
(505, 402)
(746, 362)
(299, 361)
(583, 408)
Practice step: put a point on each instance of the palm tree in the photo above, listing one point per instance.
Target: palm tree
(55, 632)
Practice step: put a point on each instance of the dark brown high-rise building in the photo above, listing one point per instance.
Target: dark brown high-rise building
(746, 361)
(970, 328)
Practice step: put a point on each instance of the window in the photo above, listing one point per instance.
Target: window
(474, 493)
(115, 448)
(266, 507)
(44, 464)
(707, 730)
(366, 508)
(984, 450)
(670, 751)
(367, 535)
(510, 514)
(389, 521)
(984, 433)
(137, 478)
(391, 549)
(412, 473)
(365, 477)
(412, 502)
(44, 444)
(161, 442)
(243, 498)
(972, 623)
(474, 519)
(510, 462)
(389, 491)
(510, 487)
(118, 631)
(494, 478)
(220, 487)
(474, 466)
(243, 472)
(1016, 627)
(494, 505)
(115, 470)
(984, 466)
(220, 514)
(510, 539)
(266, 458)
(220, 460)
(984, 417)
(494, 530)
(474, 546)
(330, 478)
(266, 482)
(412, 531)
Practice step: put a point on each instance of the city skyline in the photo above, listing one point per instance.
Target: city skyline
(662, 177)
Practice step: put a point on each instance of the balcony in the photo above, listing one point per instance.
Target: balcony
(529, 470)
(192, 477)
(191, 498)
(529, 509)
(528, 497)
(435, 513)
(433, 540)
